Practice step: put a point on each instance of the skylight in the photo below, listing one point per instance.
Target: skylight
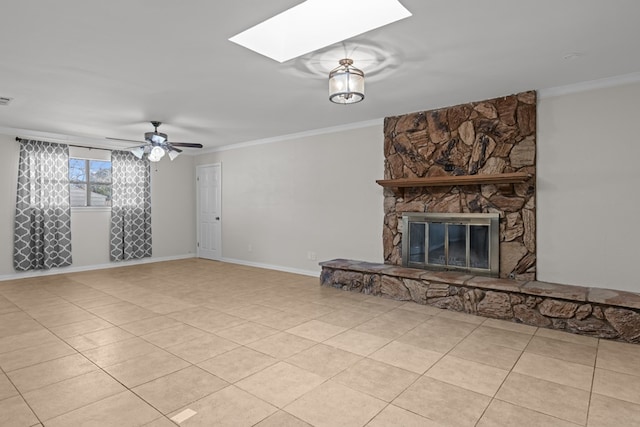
(315, 24)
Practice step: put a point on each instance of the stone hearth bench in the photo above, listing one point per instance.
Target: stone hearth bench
(596, 312)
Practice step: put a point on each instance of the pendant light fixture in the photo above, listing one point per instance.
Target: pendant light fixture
(346, 83)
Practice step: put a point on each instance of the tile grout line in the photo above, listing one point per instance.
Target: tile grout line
(387, 404)
(575, 388)
(378, 314)
(493, 398)
(21, 396)
(99, 368)
(420, 376)
(593, 379)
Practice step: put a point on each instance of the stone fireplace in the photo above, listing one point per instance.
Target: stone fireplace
(451, 161)
(459, 242)
(477, 159)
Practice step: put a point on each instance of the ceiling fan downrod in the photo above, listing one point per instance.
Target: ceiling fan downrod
(156, 125)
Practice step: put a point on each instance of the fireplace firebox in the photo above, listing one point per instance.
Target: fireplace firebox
(463, 242)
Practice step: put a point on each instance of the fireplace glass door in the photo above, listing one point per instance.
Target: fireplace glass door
(436, 244)
(417, 247)
(466, 242)
(479, 246)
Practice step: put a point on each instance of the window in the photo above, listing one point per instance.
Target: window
(89, 182)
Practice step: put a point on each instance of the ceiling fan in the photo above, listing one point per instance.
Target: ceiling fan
(156, 145)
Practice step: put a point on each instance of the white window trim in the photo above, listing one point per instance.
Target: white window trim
(90, 209)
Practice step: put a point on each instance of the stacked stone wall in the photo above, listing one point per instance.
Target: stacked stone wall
(489, 137)
(585, 311)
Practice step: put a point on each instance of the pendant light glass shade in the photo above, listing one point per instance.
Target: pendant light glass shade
(156, 154)
(138, 152)
(346, 83)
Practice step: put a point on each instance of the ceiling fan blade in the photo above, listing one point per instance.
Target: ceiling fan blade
(186, 144)
(141, 145)
(171, 147)
(127, 140)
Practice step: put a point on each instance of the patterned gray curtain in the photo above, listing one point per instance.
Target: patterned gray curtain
(42, 234)
(130, 207)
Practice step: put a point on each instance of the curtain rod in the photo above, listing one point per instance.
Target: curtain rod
(72, 145)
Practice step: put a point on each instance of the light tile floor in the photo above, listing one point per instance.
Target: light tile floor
(203, 343)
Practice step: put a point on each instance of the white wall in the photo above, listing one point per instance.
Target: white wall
(587, 175)
(588, 188)
(8, 186)
(173, 213)
(318, 194)
(173, 207)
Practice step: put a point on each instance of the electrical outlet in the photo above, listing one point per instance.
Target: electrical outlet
(250, 247)
(311, 256)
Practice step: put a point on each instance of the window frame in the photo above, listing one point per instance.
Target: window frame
(87, 183)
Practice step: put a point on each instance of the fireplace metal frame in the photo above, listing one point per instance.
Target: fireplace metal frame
(487, 219)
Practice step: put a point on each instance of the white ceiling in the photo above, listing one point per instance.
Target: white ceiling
(100, 69)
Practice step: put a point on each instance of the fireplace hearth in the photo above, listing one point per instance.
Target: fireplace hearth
(462, 242)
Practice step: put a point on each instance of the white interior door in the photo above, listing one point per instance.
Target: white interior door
(209, 185)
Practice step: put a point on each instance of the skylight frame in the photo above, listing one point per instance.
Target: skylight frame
(315, 24)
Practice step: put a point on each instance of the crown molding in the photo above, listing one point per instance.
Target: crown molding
(102, 143)
(306, 134)
(589, 85)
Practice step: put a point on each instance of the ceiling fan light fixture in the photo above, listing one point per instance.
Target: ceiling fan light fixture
(157, 144)
(156, 154)
(346, 83)
(138, 152)
(156, 137)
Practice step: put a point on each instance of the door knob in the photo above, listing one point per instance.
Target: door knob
(217, 218)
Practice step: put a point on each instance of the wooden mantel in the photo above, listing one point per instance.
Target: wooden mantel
(445, 181)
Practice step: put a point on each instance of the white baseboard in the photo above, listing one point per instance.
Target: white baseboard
(272, 267)
(72, 269)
